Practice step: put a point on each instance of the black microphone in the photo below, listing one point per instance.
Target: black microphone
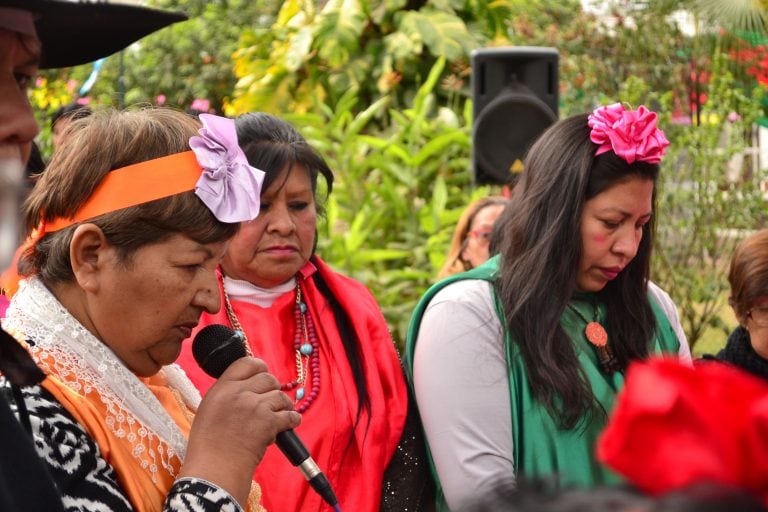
(216, 347)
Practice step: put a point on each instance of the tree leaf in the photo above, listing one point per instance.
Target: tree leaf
(444, 33)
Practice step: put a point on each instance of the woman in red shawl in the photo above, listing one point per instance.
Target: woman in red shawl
(321, 334)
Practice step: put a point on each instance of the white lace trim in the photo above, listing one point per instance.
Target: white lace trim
(86, 365)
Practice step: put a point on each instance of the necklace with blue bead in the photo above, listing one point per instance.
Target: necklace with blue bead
(305, 344)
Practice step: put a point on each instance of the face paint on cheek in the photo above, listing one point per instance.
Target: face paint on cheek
(600, 239)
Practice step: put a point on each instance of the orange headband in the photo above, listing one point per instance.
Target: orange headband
(134, 185)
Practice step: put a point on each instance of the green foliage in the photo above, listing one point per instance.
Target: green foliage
(709, 198)
(183, 62)
(443, 33)
(47, 97)
(398, 195)
(193, 59)
(375, 48)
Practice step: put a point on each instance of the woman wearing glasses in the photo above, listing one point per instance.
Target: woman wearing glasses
(747, 345)
(472, 236)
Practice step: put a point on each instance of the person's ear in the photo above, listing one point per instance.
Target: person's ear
(88, 253)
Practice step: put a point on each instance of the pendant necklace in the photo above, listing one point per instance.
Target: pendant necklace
(598, 338)
(305, 345)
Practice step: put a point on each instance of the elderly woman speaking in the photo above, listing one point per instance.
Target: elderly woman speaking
(130, 222)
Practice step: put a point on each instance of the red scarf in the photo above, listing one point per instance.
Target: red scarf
(353, 460)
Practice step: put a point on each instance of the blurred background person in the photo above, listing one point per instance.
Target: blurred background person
(34, 168)
(62, 117)
(41, 34)
(119, 273)
(472, 235)
(517, 363)
(747, 345)
(321, 333)
(9, 278)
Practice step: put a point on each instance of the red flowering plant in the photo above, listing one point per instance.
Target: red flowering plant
(755, 61)
(675, 425)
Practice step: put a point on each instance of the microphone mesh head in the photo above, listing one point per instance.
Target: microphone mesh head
(216, 347)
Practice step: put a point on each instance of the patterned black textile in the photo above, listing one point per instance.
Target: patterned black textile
(85, 479)
(25, 484)
(16, 364)
(738, 351)
(408, 483)
(68, 456)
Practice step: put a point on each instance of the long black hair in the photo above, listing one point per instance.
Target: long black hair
(541, 248)
(273, 145)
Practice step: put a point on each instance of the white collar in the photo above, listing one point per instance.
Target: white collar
(82, 360)
(247, 292)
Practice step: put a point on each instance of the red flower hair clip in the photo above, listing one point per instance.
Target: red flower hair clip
(631, 134)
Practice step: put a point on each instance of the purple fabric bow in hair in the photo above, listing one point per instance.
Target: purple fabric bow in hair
(229, 186)
(631, 134)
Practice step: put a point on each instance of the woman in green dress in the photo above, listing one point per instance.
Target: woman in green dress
(516, 364)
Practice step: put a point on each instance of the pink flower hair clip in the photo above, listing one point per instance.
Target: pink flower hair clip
(215, 168)
(229, 186)
(631, 134)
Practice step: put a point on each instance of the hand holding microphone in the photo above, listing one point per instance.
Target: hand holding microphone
(217, 348)
(237, 420)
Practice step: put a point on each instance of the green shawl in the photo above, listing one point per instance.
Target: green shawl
(541, 448)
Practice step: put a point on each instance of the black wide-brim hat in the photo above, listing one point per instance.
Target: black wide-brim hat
(77, 32)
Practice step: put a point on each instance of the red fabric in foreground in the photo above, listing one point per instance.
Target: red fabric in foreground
(675, 425)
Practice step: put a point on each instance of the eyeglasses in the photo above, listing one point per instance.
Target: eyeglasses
(483, 236)
(759, 316)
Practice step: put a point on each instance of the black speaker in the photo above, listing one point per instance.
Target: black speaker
(514, 99)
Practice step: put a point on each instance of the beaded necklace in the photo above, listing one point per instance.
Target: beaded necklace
(305, 344)
(598, 338)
